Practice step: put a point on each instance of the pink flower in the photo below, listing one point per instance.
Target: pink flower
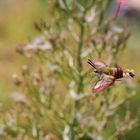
(120, 3)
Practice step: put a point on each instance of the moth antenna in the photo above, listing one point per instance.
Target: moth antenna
(91, 63)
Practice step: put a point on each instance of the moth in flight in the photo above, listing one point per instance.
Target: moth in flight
(108, 75)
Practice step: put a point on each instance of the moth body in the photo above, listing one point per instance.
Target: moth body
(108, 75)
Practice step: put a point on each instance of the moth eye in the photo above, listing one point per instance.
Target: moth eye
(131, 74)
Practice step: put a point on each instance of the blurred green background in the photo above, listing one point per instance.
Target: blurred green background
(16, 26)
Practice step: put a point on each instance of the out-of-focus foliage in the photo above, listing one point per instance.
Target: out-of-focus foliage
(55, 101)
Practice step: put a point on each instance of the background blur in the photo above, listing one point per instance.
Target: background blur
(16, 26)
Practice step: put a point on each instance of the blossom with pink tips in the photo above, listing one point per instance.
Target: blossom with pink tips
(120, 3)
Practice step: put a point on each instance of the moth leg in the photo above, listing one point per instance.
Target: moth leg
(107, 76)
(118, 79)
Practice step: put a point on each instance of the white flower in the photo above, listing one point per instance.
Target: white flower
(18, 97)
(90, 15)
(39, 43)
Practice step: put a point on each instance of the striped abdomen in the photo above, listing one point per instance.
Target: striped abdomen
(118, 73)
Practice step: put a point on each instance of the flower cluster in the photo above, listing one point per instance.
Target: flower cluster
(55, 100)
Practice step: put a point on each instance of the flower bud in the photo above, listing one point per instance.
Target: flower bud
(16, 80)
(25, 70)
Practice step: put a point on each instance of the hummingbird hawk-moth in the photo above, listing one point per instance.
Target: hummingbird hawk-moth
(108, 75)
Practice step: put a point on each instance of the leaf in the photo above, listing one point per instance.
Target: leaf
(65, 4)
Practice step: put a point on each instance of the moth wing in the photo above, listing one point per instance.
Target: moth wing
(99, 63)
(102, 84)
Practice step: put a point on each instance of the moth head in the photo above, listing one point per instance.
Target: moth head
(129, 72)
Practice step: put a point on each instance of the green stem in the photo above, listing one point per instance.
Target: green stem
(79, 61)
(79, 82)
(80, 45)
